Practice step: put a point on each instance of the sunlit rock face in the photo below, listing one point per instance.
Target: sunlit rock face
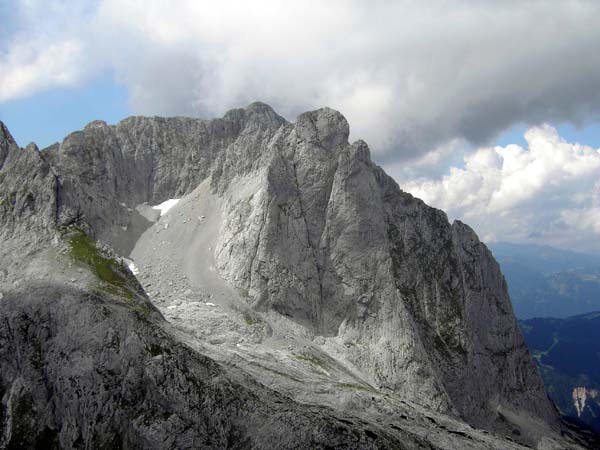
(415, 302)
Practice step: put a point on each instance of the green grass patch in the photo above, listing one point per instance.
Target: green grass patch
(280, 373)
(312, 359)
(110, 271)
(249, 319)
(83, 249)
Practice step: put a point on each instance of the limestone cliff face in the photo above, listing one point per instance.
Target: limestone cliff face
(418, 304)
(313, 230)
(28, 190)
(144, 159)
(82, 371)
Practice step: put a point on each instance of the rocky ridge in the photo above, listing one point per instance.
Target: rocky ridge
(292, 259)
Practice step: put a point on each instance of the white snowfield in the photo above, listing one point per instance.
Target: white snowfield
(165, 206)
(133, 268)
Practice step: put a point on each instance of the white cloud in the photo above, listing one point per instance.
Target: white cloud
(548, 192)
(35, 66)
(410, 76)
(583, 219)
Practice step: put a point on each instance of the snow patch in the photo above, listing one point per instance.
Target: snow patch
(165, 206)
(134, 270)
(132, 267)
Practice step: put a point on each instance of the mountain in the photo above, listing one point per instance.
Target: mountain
(549, 282)
(291, 297)
(568, 354)
(543, 258)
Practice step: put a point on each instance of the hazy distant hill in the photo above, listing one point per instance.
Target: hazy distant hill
(568, 354)
(548, 282)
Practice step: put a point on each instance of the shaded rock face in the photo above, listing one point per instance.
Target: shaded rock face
(82, 371)
(6, 142)
(146, 160)
(28, 190)
(313, 230)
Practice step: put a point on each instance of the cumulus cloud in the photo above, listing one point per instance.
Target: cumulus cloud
(410, 76)
(548, 192)
(37, 65)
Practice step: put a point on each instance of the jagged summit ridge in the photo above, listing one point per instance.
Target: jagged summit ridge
(312, 231)
(6, 141)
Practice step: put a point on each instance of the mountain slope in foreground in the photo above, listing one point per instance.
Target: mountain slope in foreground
(309, 302)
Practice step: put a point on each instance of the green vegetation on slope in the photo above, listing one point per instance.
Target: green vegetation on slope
(83, 249)
(112, 274)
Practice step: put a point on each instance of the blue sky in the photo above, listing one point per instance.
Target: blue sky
(588, 134)
(47, 117)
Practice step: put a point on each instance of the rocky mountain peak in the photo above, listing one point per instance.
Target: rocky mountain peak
(325, 127)
(6, 142)
(95, 124)
(255, 115)
(289, 256)
(262, 113)
(361, 151)
(32, 147)
(5, 133)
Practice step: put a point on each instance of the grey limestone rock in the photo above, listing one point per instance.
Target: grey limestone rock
(417, 304)
(309, 229)
(80, 370)
(28, 197)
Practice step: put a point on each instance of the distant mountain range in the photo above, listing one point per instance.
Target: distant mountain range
(549, 282)
(556, 294)
(567, 352)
